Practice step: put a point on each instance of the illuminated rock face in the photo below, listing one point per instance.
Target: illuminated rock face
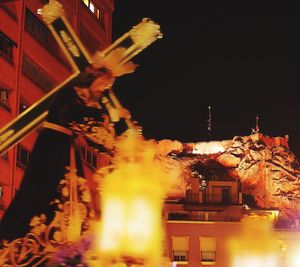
(266, 168)
(268, 171)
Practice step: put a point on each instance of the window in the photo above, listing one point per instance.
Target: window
(4, 156)
(11, 10)
(221, 194)
(23, 155)
(180, 246)
(94, 9)
(4, 93)
(4, 96)
(6, 47)
(88, 156)
(36, 74)
(42, 34)
(36, 28)
(207, 249)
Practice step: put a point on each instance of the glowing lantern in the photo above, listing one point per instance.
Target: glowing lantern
(293, 254)
(132, 198)
(295, 260)
(257, 245)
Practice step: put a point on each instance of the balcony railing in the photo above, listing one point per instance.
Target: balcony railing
(180, 255)
(208, 256)
(210, 216)
(212, 198)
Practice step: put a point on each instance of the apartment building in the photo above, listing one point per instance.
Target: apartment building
(31, 64)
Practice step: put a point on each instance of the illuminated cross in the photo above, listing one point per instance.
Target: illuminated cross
(139, 37)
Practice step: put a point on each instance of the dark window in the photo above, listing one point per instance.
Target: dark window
(43, 35)
(4, 93)
(36, 74)
(221, 194)
(34, 26)
(226, 195)
(10, 9)
(6, 47)
(23, 155)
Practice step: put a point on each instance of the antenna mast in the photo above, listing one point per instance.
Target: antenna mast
(209, 125)
(257, 124)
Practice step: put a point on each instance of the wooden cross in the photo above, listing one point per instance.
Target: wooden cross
(138, 38)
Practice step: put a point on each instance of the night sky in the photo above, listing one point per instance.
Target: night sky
(243, 62)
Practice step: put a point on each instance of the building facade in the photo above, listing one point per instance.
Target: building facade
(201, 226)
(31, 64)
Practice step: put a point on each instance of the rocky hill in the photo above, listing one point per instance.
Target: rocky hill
(268, 172)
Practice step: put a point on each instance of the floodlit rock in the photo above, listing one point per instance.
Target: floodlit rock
(166, 146)
(265, 166)
(229, 160)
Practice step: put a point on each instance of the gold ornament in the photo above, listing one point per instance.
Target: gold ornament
(51, 11)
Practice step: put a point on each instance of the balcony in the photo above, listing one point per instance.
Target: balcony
(211, 207)
(212, 199)
(180, 256)
(211, 216)
(208, 257)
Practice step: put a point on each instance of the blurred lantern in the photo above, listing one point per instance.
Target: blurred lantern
(131, 229)
(256, 246)
(292, 254)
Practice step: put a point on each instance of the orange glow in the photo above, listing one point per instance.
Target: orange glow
(293, 254)
(208, 148)
(132, 199)
(256, 261)
(295, 260)
(257, 245)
